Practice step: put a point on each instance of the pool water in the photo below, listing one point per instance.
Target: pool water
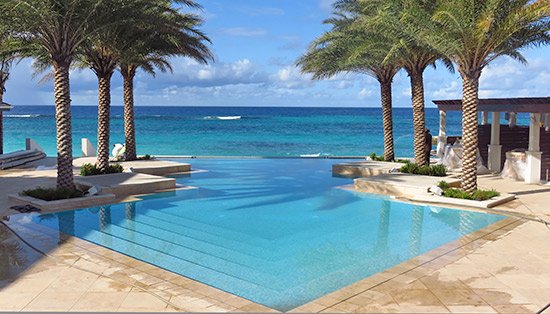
(279, 232)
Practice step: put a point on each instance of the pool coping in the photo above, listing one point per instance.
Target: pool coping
(174, 284)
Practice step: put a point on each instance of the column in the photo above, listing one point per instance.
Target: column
(484, 117)
(442, 138)
(534, 154)
(513, 119)
(495, 149)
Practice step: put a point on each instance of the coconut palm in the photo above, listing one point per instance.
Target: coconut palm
(472, 34)
(348, 47)
(56, 29)
(150, 47)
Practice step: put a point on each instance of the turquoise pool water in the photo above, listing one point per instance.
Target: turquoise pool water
(277, 232)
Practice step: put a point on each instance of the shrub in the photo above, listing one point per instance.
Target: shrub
(146, 157)
(374, 157)
(53, 194)
(478, 195)
(92, 170)
(427, 170)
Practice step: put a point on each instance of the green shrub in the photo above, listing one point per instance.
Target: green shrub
(92, 170)
(478, 195)
(443, 185)
(374, 157)
(146, 157)
(426, 170)
(53, 194)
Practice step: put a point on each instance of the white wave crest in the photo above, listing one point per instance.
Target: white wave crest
(22, 115)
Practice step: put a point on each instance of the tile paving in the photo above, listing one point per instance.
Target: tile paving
(503, 268)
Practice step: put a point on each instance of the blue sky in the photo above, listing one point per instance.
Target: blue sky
(256, 43)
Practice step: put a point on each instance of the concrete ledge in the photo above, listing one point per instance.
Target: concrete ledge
(124, 184)
(156, 167)
(73, 203)
(400, 184)
(364, 169)
(435, 199)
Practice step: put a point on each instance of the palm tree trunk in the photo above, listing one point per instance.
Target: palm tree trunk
(1, 122)
(128, 74)
(470, 91)
(387, 121)
(419, 118)
(103, 121)
(63, 124)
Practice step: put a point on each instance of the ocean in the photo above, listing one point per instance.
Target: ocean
(231, 131)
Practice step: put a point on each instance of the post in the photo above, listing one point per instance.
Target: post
(442, 138)
(484, 118)
(534, 154)
(495, 149)
(513, 119)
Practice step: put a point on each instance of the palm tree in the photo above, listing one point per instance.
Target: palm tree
(103, 63)
(348, 47)
(412, 57)
(56, 30)
(472, 34)
(100, 53)
(9, 53)
(150, 46)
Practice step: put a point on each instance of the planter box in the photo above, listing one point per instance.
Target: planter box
(436, 199)
(73, 203)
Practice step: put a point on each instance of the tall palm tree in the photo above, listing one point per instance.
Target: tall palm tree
(472, 34)
(101, 54)
(348, 47)
(9, 53)
(56, 30)
(103, 63)
(412, 56)
(150, 47)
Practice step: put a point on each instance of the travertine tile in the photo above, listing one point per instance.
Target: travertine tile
(139, 299)
(53, 300)
(467, 309)
(415, 297)
(458, 297)
(99, 301)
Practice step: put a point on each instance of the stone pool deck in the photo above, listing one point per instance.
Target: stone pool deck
(147, 177)
(503, 268)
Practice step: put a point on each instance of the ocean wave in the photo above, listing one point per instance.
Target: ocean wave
(222, 118)
(21, 116)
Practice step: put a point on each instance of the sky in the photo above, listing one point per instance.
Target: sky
(256, 44)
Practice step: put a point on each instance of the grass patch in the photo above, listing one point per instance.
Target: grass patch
(427, 170)
(375, 157)
(53, 194)
(478, 195)
(92, 170)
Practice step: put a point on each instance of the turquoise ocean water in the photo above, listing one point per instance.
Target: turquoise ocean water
(231, 131)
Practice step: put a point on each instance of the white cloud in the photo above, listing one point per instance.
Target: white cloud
(365, 93)
(244, 32)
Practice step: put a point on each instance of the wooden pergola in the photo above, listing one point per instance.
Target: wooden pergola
(3, 107)
(535, 106)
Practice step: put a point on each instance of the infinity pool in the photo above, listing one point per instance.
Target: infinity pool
(275, 231)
